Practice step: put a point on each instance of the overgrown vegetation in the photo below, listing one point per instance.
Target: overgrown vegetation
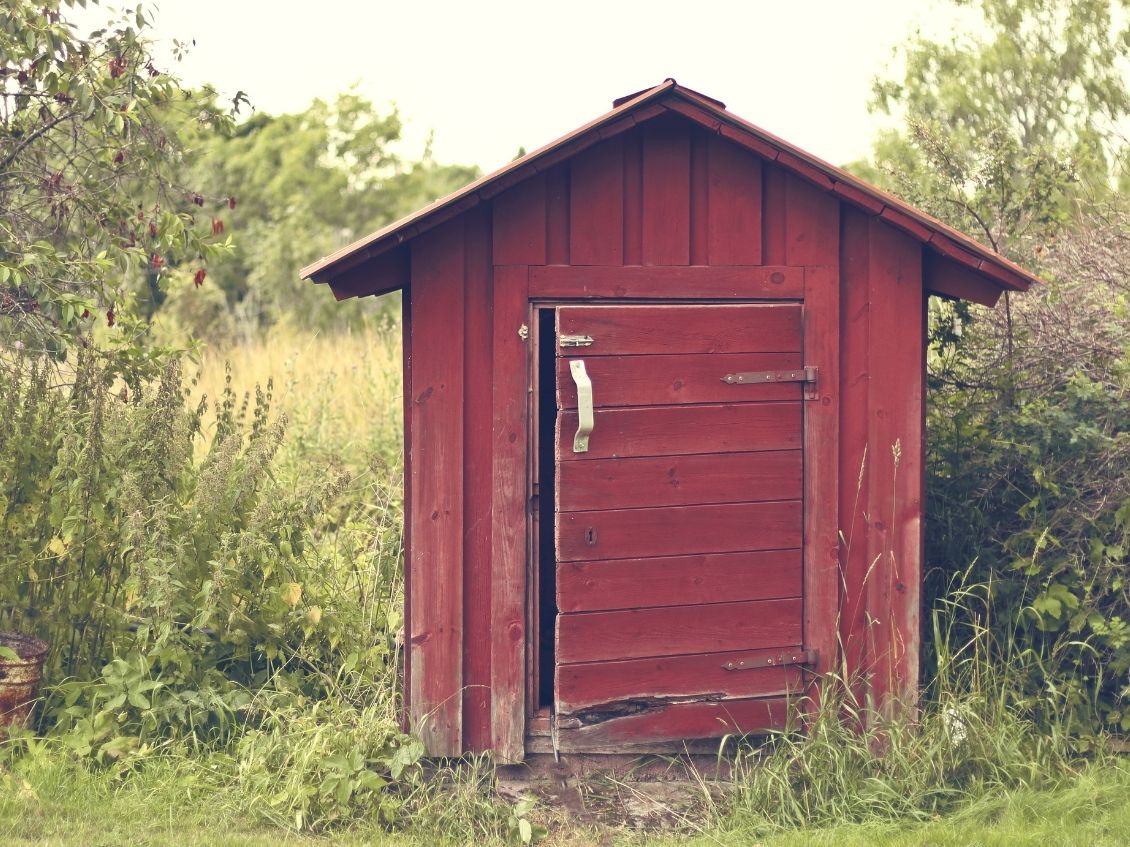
(212, 543)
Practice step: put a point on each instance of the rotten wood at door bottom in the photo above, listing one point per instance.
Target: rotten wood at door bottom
(677, 721)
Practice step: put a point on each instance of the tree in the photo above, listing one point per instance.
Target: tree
(310, 182)
(1009, 133)
(1013, 138)
(90, 196)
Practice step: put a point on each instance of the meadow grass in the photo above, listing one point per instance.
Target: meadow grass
(1008, 781)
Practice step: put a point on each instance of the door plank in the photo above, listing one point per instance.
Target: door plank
(678, 721)
(678, 630)
(591, 684)
(766, 328)
(684, 430)
(677, 530)
(678, 379)
(675, 580)
(679, 480)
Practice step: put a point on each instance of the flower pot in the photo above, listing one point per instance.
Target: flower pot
(19, 678)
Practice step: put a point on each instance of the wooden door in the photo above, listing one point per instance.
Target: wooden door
(679, 525)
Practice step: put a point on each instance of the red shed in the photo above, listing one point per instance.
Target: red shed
(663, 386)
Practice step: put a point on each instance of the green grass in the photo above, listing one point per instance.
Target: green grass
(1091, 808)
(49, 801)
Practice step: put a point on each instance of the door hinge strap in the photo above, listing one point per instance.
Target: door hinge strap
(806, 374)
(798, 657)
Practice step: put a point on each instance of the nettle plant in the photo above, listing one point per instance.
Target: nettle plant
(171, 589)
(92, 211)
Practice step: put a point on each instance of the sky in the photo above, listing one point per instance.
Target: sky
(486, 78)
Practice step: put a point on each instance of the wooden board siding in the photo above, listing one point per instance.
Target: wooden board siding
(677, 630)
(477, 493)
(668, 546)
(436, 411)
(687, 378)
(682, 480)
(699, 503)
(669, 580)
(881, 498)
(587, 684)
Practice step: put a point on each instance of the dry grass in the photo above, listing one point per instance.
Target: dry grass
(340, 393)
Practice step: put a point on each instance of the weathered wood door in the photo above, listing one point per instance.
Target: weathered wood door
(679, 524)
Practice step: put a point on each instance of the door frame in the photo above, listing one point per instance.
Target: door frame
(821, 541)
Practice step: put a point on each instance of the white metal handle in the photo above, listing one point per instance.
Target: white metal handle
(584, 405)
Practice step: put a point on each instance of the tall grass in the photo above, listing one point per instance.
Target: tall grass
(974, 736)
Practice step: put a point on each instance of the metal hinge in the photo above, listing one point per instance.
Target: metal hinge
(574, 340)
(799, 657)
(805, 375)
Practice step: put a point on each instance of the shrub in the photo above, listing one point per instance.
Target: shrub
(1029, 470)
(171, 588)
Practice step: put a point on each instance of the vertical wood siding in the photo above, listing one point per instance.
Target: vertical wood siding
(668, 210)
(436, 484)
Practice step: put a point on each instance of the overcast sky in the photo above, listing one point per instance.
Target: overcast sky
(490, 76)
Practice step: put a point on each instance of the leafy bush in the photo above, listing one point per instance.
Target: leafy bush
(1029, 470)
(171, 589)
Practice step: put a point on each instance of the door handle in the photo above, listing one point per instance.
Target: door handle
(584, 405)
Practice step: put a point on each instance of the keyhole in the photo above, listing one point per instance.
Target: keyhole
(590, 537)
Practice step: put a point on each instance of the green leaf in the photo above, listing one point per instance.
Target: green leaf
(7, 654)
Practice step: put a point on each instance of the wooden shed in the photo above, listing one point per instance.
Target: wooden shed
(663, 391)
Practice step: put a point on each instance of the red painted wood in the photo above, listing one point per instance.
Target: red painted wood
(1002, 274)
(680, 480)
(735, 205)
(589, 684)
(406, 715)
(855, 475)
(669, 329)
(949, 279)
(675, 580)
(750, 142)
(681, 282)
(700, 220)
(681, 378)
(633, 198)
(821, 451)
(674, 531)
(860, 198)
(557, 215)
(666, 194)
(906, 223)
(596, 206)
(436, 566)
(677, 630)
(677, 430)
(477, 452)
(773, 215)
(700, 117)
(894, 496)
(812, 224)
(508, 515)
(952, 249)
(805, 170)
(519, 223)
(679, 721)
(388, 272)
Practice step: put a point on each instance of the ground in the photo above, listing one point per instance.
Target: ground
(52, 806)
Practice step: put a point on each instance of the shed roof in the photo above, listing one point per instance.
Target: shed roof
(670, 97)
